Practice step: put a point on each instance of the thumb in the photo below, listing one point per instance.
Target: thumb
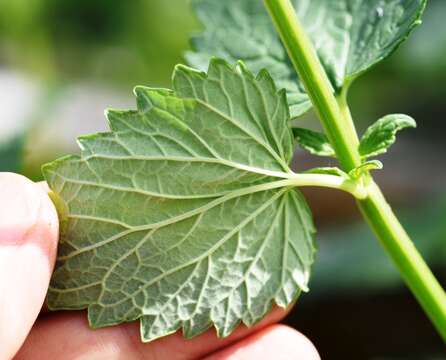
(28, 241)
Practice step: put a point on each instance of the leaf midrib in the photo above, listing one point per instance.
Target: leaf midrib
(252, 169)
(188, 214)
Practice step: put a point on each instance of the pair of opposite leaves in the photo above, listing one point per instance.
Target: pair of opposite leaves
(179, 216)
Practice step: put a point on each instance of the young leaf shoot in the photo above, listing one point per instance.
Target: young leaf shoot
(382, 134)
(314, 142)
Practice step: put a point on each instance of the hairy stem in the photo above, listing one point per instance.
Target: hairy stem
(336, 119)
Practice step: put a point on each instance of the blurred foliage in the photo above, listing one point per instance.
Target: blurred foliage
(359, 263)
(16, 143)
(124, 44)
(411, 81)
(108, 40)
(116, 43)
(11, 154)
(425, 53)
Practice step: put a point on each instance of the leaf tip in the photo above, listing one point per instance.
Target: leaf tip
(411, 122)
(182, 72)
(146, 97)
(217, 64)
(375, 165)
(137, 91)
(181, 68)
(365, 167)
(243, 69)
(53, 165)
(109, 114)
(143, 101)
(217, 61)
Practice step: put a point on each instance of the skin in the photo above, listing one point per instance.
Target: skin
(28, 246)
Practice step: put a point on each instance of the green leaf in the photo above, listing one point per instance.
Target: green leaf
(382, 134)
(367, 166)
(241, 30)
(350, 36)
(314, 142)
(328, 171)
(180, 216)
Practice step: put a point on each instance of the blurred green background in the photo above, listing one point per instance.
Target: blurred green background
(62, 62)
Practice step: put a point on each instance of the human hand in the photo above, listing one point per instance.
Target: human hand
(28, 242)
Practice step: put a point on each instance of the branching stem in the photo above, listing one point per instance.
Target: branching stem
(335, 116)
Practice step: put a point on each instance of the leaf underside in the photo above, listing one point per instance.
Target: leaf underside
(382, 134)
(350, 36)
(314, 142)
(178, 216)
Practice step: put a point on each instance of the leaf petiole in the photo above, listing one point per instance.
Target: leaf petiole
(355, 188)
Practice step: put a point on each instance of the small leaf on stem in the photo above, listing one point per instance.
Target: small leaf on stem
(367, 166)
(328, 171)
(382, 134)
(314, 142)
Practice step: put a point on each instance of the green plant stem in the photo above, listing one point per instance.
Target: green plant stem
(336, 119)
(347, 116)
(411, 265)
(315, 80)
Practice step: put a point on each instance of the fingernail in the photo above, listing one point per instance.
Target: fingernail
(19, 208)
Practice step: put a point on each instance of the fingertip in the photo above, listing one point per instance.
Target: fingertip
(46, 230)
(67, 335)
(277, 342)
(26, 213)
(297, 343)
(43, 185)
(28, 242)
